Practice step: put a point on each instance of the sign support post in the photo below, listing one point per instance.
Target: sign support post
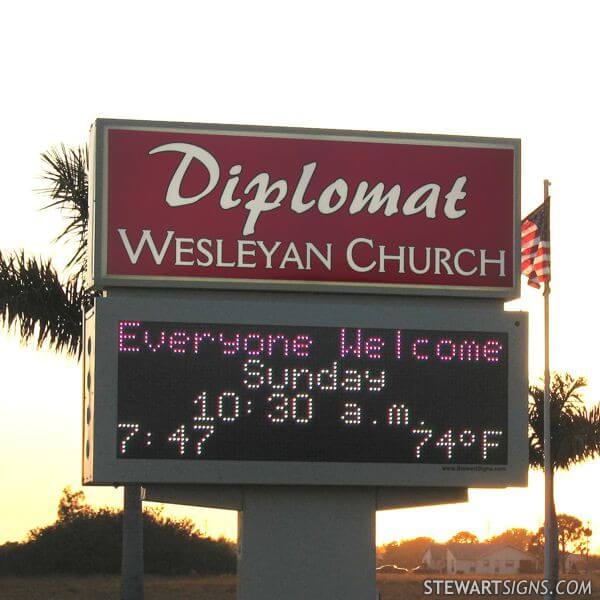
(316, 542)
(305, 541)
(132, 565)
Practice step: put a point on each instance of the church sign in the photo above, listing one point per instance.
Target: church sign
(222, 206)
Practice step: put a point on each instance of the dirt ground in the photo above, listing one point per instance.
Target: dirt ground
(392, 587)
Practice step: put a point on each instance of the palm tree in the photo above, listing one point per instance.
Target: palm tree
(574, 433)
(48, 310)
(32, 296)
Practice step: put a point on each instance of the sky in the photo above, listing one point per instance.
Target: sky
(506, 69)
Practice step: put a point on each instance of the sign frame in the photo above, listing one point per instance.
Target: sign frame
(101, 465)
(100, 278)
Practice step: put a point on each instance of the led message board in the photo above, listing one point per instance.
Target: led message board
(242, 207)
(280, 393)
(348, 395)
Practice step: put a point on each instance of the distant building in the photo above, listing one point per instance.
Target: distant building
(434, 558)
(478, 559)
(574, 563)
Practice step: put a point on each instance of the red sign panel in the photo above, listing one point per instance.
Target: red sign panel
(222, 206)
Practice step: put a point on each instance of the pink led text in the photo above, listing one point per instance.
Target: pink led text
(356, 343)
(134, 338)
(447, 350)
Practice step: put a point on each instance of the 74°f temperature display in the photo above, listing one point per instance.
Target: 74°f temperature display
(302, 393)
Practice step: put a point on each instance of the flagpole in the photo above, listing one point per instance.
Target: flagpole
(550, 533)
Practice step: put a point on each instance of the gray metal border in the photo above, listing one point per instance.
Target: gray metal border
(97, 246)
(101, 465)
(231, 497)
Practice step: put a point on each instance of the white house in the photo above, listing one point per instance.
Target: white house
(485, 558)
(434, 558)
(488, 558)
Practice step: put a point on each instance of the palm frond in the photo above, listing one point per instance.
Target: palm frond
(33, 298)
(575, 430)
(66, 176)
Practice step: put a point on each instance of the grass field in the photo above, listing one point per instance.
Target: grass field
(392, 587)
(107, 588)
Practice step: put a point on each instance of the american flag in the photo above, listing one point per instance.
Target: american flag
(535, 247)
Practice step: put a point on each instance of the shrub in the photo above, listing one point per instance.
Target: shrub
(84, 540)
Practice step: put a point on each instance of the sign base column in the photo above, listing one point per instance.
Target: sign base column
(307, 542)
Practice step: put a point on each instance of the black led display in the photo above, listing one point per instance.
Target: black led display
(301, 393)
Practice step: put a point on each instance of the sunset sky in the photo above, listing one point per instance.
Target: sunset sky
(506, 69)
